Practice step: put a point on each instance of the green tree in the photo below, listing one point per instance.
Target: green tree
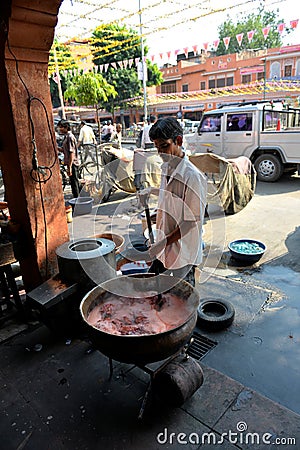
(115, 43)
(90, 89)
(255, 21)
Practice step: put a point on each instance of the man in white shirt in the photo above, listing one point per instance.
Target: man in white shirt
(181, 205)
(86, 134)
(146, 141)
(86, 140)
(107, 131)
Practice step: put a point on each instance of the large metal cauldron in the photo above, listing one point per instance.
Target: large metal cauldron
(142, 349)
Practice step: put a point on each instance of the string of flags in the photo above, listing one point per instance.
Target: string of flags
(99, 68)
(161, 56)
(226, 40)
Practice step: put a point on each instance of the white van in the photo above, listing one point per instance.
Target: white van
(190, 126)
(266, 132)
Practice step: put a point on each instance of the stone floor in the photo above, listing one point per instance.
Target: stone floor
(56, 394)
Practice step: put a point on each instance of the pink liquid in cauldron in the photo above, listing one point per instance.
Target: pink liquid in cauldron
(137, 316)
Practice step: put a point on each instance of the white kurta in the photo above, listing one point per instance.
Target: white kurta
(182, 198)
(86, 135)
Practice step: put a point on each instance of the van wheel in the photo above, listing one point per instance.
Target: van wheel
(268, 167)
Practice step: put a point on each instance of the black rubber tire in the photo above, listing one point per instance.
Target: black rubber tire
(268, 167)
(215, 314)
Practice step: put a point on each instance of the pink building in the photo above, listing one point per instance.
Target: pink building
(204, 81)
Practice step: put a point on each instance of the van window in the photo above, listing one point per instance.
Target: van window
(211, 123)
(270, 120)
(239, 122)
(278, 120)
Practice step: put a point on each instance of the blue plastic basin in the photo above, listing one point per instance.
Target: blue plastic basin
(251, 257)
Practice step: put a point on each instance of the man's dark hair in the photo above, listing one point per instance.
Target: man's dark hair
(64, 124)
(83, 122)
(152, 119)
(166, 128)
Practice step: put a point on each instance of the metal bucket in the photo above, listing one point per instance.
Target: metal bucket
(81, 205)
(116, 238)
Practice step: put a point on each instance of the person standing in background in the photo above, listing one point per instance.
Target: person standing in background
(86, 135)
(116, 137)
(146, 142)
(70, 151)
(86, 140)
(107, 131)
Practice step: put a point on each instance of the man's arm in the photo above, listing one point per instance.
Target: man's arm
(69, 167)
(80, 139)
(72, 151)
(180, 231)
(143, 138)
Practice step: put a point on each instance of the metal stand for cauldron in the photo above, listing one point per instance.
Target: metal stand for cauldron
(152, 369)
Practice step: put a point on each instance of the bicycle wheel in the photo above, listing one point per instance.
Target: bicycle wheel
(88, 167)
(88, 153)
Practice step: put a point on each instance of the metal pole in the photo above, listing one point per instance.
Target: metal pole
(265, 77)
(143, 64)
(61, 98)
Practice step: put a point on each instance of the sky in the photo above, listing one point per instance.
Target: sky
(168, 24)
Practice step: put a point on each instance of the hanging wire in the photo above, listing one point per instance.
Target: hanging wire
(39, 174)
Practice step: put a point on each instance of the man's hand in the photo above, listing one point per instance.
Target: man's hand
(69, 171)
(157, 248)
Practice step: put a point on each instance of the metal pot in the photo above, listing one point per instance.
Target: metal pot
(87, 261)
(142, 349)
(116, 238)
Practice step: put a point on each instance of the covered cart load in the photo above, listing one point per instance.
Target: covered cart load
(119, 167)
(231, 183)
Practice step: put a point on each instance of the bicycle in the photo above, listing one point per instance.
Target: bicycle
(86, 152)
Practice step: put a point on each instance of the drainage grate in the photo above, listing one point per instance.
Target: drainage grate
(200, 346)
